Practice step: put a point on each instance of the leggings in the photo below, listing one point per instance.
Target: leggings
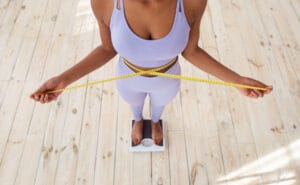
(161, 90)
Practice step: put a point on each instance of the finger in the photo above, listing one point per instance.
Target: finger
(42, 98)
(260, 84)
(254, 95)
(39, 96)
(36, 97)
(250, 95)
(33, 95)
(40, 90)
(257, 83)
(46, 99)
(269, 89)
(259, 93)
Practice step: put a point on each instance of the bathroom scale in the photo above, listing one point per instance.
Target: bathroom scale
(147, 144)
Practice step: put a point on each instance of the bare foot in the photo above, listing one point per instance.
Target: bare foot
(137, 132)
(157, 134)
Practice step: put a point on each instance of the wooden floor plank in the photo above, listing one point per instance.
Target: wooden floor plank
(51, 148)
(106, 149)
(160, 163)
(123, 172)
(16, 16)
(17, 136)
(3, 8)
(8, 111)
(10, 13)
(296, 7)
(90, 128)
(190, 120)
(172, 112)
(288, 26)
(177, 156)
(3, 91)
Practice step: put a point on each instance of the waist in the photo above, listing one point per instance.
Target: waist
(160, 69)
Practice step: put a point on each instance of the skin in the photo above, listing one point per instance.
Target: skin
(149, 26)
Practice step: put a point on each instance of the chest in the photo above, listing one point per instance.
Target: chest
(146, 20)
(150, 21)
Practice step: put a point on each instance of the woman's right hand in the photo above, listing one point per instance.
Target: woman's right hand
(41, 95)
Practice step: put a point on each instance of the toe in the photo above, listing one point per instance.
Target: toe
(136, 141)
(139, 141)
(157, 141)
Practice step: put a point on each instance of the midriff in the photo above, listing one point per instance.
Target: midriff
(163, 69)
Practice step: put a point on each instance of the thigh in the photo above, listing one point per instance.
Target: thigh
(130, 95)
(165, 89)
(164, 95)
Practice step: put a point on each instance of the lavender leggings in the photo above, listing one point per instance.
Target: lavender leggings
(134, 90)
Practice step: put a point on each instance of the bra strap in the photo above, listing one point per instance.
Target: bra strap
(181, 6)
(116, 4)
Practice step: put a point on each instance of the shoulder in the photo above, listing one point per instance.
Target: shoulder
(102, 10)
(194, 9)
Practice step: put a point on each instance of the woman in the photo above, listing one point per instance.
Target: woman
(147, 34)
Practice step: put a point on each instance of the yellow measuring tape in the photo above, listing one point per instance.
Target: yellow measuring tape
(154, 72)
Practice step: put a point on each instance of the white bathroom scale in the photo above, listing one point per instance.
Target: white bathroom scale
(147, 143)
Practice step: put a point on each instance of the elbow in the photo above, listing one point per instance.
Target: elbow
(108, 50)
(188, 53)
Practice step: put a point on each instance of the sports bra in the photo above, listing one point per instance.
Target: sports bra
(148, 53)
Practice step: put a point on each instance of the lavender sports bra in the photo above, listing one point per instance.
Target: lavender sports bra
(148, 53)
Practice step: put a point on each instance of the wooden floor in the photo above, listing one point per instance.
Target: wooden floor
(214, 134)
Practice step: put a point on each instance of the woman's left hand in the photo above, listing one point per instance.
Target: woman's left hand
(252, 93)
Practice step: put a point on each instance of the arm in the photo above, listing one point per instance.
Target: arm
(98, 57)
(201, 59)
